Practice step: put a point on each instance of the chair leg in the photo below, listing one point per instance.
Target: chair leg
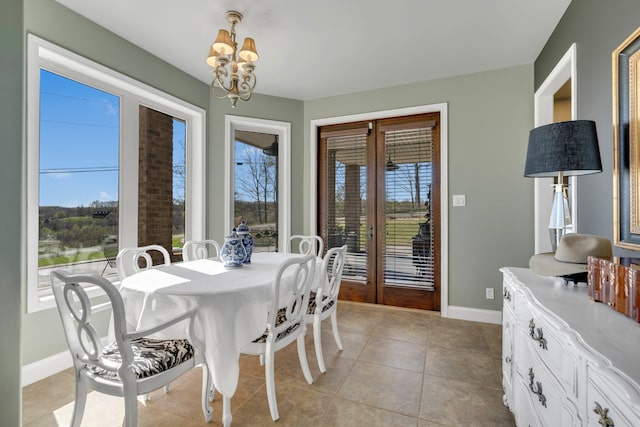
(271, 384)
(79, 403)
(302, 355)
(211, 395)
(226, 411)
(317, 343)
(130, 407)
(166, 388)
(334, 326)
(207, 410)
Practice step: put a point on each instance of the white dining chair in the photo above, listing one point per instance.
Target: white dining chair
(304, 245)
(323, 301)
(200, 249)
(134, 259)
(285, 322)
(133, 364)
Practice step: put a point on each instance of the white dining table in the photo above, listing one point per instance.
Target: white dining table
(231, 306)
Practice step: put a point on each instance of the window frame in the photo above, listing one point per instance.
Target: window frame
(132, 93)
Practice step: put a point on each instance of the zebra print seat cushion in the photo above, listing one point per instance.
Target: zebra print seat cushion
(311, 309)
(281, 317)
(150, 357)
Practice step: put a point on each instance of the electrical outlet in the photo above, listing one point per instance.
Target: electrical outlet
(489, 293)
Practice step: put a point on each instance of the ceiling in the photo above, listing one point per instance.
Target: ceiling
(313, 49)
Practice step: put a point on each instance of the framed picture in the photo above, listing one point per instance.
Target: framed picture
(626, 142)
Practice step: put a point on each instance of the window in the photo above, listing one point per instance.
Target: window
(86, 129)
(258, 136)
(256, 186)
(179, 181)
(78, 175)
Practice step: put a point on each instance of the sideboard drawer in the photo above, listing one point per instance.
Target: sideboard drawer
(542, 336)
(558, 412)
(546, 394)
(525, 415)
(608, 403)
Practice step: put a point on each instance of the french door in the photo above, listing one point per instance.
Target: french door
(378, 188)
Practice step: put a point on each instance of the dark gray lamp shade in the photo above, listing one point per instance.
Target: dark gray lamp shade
(567, 147)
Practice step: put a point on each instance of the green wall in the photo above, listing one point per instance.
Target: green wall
(490, 115)
(597, 28)
(11, 259)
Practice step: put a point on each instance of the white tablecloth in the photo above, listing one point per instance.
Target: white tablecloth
(231, 305)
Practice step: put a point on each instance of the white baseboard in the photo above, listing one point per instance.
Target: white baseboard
(475, 314)
(46, 367)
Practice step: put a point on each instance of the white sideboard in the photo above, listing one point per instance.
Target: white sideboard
(566, 360)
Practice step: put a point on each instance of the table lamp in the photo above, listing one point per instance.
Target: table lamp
(562, 149)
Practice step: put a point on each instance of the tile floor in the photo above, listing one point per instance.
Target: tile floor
(398, 368)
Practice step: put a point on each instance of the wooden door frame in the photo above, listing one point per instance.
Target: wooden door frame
(311, 194)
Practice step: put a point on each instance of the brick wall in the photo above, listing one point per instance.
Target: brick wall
(155, 180)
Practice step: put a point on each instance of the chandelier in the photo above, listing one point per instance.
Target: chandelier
(233, 76)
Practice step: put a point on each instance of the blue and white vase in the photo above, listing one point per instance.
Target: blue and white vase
(248, 246)
(247, 240)
(233, 252)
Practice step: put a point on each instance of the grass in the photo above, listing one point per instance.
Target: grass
(177, 241)
(70, 258)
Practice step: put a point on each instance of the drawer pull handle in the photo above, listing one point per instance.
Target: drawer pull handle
(506, 294)
(540, 338)
(605, 421)
(538, 388)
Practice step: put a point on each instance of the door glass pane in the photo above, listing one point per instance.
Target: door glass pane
(346, 218)
(408, 257)
(256, 187)
(78, 180)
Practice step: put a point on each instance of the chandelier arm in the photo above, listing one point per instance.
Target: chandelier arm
(246, 89)
(245, 98)
(215, 93)
(220, 74)
(220, 84)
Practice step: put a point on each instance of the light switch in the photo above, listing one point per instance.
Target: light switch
(459, 200)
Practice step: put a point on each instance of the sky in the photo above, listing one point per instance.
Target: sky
(79, 142)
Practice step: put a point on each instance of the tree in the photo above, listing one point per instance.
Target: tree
(255, 179)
